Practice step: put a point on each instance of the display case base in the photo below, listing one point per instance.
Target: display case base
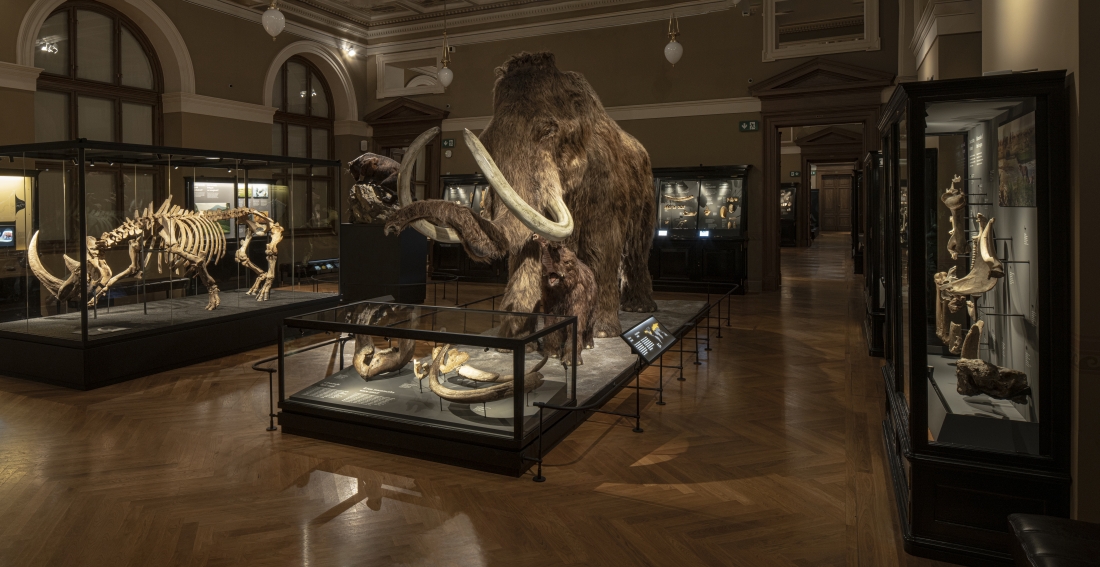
(607, 369)
(130, 341)
(873, 326)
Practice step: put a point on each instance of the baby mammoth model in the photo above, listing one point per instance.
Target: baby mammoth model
(559, 168)
(568, 288)
(187, 240)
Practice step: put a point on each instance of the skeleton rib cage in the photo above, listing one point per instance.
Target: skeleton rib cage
(188, 241)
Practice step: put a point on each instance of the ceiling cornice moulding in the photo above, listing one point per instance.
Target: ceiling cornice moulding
(19, 77)
(739, 105)
(219, 107)
(944, 17)
(366, 39)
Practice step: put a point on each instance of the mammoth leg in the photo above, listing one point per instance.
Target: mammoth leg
(524, 291)
(637, 294)
(606, 263)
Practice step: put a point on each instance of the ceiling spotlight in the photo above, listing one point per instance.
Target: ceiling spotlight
(273, 20)
(673, 51)
(349, 51)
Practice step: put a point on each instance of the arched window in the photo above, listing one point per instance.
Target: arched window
(303, 127)
(101, 79)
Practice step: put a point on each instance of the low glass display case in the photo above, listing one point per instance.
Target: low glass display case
(700, 238)
(427, 381)
(977, 271)
(120, 247)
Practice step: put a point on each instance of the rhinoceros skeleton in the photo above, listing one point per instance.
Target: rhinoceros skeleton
(188, 242)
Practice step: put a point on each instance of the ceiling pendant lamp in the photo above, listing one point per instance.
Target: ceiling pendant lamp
(673, 51)
(273, 20)
(445, 75)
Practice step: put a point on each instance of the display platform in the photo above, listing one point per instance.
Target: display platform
(126, 342)
(390, 413)
(115, 321)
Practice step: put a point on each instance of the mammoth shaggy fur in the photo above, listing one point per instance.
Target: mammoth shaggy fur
(551, 138)
(569, 289)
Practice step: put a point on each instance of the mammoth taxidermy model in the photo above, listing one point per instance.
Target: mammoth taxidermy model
(985, 269)
(955, 200)
(550, 149)
(568, 288)
(187, 240)
(505, 387)
(976, 376)
(374, 195)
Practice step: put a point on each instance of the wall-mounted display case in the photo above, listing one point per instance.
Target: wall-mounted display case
(858, 189)
(700, 239)
(976, 239)
(470, 191)
(788, 214)
(123, 270)
(873, 294)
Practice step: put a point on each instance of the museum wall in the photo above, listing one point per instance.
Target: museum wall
(962, 57)
(1021, 35)
(17, 116)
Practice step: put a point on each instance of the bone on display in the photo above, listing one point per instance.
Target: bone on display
(985, 270)
(373, 198)
(187, 240)
(504, 388)
(976, 376)
(955, 200)
(370, 361)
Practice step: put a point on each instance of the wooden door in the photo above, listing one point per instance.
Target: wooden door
(836, 202)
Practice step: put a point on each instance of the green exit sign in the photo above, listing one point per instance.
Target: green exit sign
(796, 174)
(448, 142)
(749, 125)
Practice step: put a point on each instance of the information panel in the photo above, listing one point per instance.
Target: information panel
(649, 339)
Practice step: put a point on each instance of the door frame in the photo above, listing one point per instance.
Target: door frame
(817, 92)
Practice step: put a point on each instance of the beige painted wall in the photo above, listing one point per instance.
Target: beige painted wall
(186, 130)
(787, 164)
(1052, 35)
(16, 117)
(961, 57)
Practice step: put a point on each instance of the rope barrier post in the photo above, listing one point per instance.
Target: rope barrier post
(661, 380)
(638, 401)
(271, 400)
(538, 476)
(696, 331)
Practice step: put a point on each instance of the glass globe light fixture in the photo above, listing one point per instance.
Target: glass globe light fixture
(273, 20)
(445, 75)
(673, 51)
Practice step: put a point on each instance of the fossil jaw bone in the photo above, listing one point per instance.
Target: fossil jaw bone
(985, 269)
(955, 200)
(506, 388)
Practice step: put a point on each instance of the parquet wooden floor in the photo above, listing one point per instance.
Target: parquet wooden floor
(770, 453)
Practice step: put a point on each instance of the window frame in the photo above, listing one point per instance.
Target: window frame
(114, 91)
(282, 119)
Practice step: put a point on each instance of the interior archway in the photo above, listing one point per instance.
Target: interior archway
(328, 63)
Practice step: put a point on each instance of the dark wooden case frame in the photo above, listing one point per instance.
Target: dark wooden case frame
(953, 500)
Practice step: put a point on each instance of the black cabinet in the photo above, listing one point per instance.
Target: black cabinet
(976, 271)
(699, 244)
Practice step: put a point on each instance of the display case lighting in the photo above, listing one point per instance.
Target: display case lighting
(662, 233)
(704, 234)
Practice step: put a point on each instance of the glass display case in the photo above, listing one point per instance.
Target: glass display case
(700, 238)
(788, 214)
(442, 375)
(119, 247)
(976, 233)
(471, 191)
(873, 283)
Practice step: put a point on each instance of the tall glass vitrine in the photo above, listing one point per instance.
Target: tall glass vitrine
(976, 272)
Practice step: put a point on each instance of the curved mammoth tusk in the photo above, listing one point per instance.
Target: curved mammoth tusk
(526, 214)
(44, 276)
(404, 191)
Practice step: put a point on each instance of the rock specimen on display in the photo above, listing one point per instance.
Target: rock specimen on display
(976, 376)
